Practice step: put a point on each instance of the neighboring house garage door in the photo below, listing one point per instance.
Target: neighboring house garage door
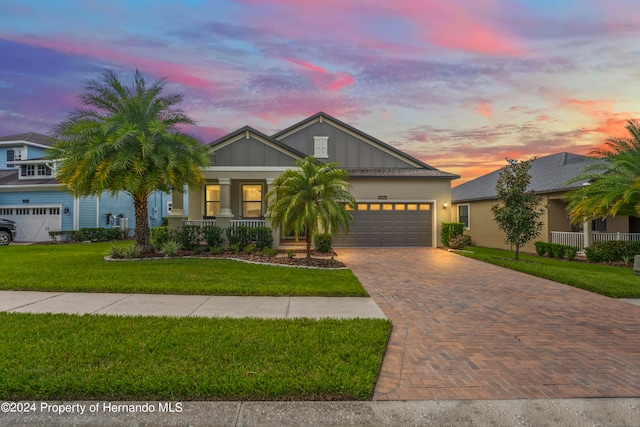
(34, 223)
(389, 224)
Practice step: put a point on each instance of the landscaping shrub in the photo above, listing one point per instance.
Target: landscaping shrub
(240, 235)
(270, 252)
(450, 230)
(235, 247)
(125, 251)
(612, 251)
(264, 237)
(570, 252)
(189, 236)
(542, 248)
(243, 236)
(323, 242)
(212, 235)
(556, 250)
(459, 242)
(216, 250)
(170, 248)
(87, 234)
(158, 236)
(250, 248)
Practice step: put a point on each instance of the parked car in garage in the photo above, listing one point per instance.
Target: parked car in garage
(7, 231)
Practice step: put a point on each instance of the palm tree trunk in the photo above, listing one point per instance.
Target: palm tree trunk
(142, 222)
(308, 238)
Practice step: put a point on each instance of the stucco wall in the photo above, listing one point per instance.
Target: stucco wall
(485, 232)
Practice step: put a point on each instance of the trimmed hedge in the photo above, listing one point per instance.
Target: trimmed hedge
(87, 234)
(450, 230)
(244, 236)
(554, 250)
(612, 251)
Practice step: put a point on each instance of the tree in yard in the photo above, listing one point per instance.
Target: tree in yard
(612, 182)
(127, 138)
(314, 195)
(518, 214)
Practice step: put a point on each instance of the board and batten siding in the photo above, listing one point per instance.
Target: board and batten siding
(251, 152)
(346, 149)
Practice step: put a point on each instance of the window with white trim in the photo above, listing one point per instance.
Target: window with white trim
(321, 147)
(463, 215)
(252, 200)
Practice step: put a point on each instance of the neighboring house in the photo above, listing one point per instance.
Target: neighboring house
(472, 203)
(31, 196)
(401, 200)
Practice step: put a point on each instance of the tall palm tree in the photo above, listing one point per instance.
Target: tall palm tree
(127, 138)
(311, 197)
(613, 181)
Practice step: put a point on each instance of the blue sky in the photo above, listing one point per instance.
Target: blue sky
(460, 84)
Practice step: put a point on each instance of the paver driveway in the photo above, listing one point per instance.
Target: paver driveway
(464, 329)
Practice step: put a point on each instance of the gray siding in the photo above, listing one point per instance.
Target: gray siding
(347, 150)
(251, 152)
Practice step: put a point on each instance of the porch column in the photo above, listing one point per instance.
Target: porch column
(275, 233)
(177, 215)
(586, 229)
(223, 219)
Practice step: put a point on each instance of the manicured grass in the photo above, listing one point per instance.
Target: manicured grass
(81, 268)
(617, 282)
(70, 357)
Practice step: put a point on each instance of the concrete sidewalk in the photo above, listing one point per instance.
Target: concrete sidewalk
(188, 305)
(552, 412)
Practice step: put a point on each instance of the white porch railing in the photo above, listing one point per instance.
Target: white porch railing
(248, 223)
(577, 238)
(200, 222)
(568, 238)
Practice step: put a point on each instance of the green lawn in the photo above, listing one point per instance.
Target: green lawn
(81, 268)
(70, 357)
(617, 282)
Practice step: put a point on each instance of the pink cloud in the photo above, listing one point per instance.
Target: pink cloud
(323, 79)
(465, 25)
(485, 109)
(177, 73)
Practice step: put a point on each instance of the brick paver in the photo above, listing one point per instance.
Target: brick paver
(464, 329)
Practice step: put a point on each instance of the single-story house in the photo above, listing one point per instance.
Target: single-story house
(472, 203)
(401, 201)
(31, 196)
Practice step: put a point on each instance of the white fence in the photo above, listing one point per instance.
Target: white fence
(248, 223)
(577, 238)
(200, 222)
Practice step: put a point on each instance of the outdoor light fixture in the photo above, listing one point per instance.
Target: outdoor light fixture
(65, 211)
(444, 205)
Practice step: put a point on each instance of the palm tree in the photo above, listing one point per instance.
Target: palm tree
(612, 182)
(127, 138)
(309, 198)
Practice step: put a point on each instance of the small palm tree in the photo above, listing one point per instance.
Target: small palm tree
(613, 181)
(127, 139)
(313, 196)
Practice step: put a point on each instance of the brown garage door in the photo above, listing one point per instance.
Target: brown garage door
(389, 224)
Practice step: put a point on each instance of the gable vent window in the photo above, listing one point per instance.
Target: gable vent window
(321, 147)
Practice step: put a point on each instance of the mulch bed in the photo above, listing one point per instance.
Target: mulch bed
(317, 260)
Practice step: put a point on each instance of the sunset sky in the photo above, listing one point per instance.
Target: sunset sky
(459, 84)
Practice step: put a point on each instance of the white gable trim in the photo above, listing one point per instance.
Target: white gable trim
(247, 135)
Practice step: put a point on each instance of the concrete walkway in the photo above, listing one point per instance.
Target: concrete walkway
(188, 305)
(464, 329)
(548, 413)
